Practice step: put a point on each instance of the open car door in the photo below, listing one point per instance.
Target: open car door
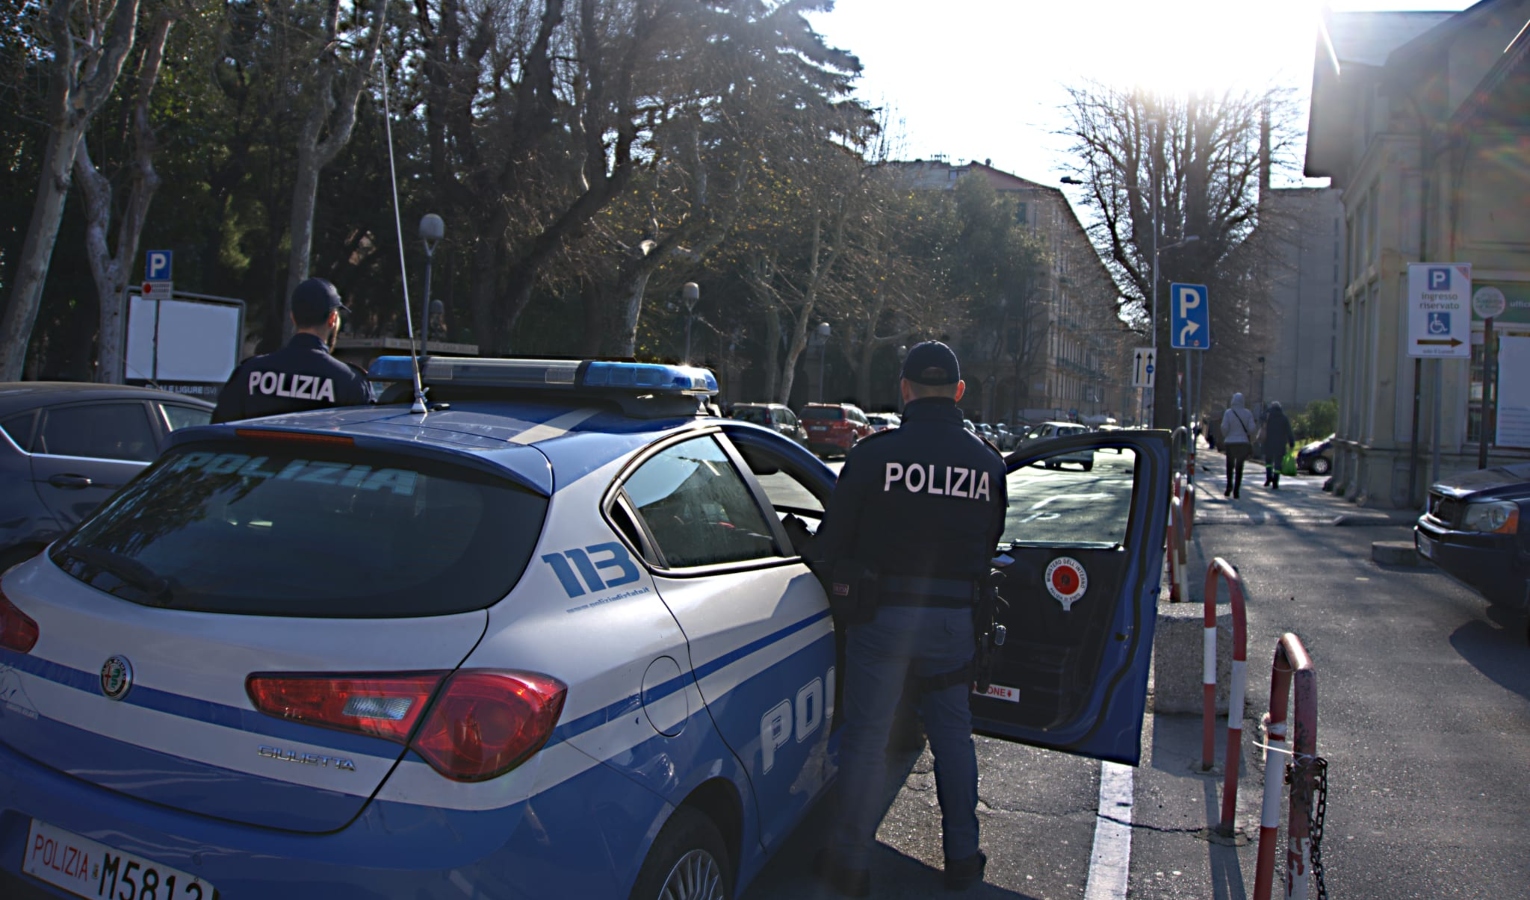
(1085, 528)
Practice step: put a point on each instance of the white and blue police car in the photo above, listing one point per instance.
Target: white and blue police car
(548, 637)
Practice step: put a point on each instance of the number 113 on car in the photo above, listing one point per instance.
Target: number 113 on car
(82, 866)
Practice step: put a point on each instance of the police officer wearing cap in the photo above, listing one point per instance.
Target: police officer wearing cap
(918, 512)
(302, 375)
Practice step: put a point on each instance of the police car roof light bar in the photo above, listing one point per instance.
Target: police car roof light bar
(628, 378)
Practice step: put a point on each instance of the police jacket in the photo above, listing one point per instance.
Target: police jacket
(925, 500)
(300, 376)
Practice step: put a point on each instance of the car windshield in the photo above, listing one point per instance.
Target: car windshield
(301, 530)
(755, 414)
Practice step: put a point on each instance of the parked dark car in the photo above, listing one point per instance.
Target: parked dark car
(833, 428)
(66, 447)
(1316, 457)
(776, 416)
(1477, 529)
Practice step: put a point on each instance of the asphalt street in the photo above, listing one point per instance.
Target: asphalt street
(1424, 718)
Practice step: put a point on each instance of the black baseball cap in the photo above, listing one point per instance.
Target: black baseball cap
(313, 300)
(933, 363)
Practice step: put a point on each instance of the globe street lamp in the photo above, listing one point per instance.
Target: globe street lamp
(690, 292)
(432, 229)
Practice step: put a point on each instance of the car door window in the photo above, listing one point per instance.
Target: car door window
(98, 431)
(1055, 501)
(19, 429)
(178, 417)
(698, 507)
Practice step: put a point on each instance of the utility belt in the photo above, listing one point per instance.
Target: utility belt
(857, 591)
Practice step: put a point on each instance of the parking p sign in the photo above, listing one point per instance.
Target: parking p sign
(156, 266)
(1439, 310)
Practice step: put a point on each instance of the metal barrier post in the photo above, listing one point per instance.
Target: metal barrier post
(1221, 569)
(1290, 660)
(1175, 552)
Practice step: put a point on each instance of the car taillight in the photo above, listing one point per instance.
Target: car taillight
(17, 630)
(482, 724)
(486, 723)
(385, 706)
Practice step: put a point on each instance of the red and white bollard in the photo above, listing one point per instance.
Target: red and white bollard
(1291, 664)
(1221, 569)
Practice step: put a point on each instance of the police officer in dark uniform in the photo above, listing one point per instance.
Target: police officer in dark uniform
(302, 375)
(919, 509)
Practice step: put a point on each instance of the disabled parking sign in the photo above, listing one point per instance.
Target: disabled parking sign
(1439, 311)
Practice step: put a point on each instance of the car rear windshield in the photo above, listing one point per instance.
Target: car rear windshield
(823, 412)
(275, 528)
(755, 414)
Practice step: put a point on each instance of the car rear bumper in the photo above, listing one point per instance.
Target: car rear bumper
(1486, 563)
(567, 841)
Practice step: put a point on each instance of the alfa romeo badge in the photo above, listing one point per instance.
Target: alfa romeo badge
(116, 677)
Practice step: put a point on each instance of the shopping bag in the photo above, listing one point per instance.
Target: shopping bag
(1288, 462)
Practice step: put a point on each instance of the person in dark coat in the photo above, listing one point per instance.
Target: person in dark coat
(1277, 439)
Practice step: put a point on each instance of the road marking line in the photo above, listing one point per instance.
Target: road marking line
(1110, 860)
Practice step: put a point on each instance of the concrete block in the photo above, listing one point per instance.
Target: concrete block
(1395, 553)
(1178, 658)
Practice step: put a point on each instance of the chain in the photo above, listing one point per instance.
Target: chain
(1315, 818)
(1319, 808)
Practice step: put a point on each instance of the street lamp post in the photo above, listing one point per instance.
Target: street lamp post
(690, 292)
(823, 350)
(432, 229)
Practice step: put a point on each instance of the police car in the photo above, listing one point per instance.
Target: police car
(548, 638)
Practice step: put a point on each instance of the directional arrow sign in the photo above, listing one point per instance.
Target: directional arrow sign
(1440, 342)
(1189, 317)
(1143, 365)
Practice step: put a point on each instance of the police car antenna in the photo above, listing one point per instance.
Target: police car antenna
(414, 351)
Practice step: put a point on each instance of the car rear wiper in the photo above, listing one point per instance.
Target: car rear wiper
(156, 588)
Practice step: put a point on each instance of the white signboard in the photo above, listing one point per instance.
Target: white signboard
(1439, 310)
(182, 341)
(1513, 392)
(1144, 364)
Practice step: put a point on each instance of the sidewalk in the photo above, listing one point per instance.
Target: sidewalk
(1300, 499)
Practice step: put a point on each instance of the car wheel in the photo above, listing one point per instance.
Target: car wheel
(1088, 467)
(1321, 466)
(688, 861)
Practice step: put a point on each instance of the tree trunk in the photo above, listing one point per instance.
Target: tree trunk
(772, 350)
(629, 308)
(37, 251)
(111, 272)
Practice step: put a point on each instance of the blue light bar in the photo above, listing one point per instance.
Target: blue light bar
(551, 374)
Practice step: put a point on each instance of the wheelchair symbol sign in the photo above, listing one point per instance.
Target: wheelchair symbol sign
(1439, 323)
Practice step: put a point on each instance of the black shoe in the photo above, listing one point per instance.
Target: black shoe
(848, 882)
(964, 873)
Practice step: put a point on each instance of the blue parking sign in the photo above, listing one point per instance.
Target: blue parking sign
(156, 266)
(1189, 317)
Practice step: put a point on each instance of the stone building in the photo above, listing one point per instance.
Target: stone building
(1420, 120)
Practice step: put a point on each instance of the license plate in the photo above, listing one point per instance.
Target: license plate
(88, 869)
(1425, 545)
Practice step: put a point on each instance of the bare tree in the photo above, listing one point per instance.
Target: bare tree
(1197, 162)
(332, 97)
(111, 271)
(90, 43)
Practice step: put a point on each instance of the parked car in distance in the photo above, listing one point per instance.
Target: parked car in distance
(1049, 430)
(884, 421)
(65, 447)
(1316, 457)
(776, 416)
(1006, 439)
(1477, 529)
(833, 428)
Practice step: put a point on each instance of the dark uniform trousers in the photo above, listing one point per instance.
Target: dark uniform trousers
(300, 376)
(924, 506)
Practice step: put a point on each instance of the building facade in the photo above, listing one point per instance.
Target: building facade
(1420, 120)
(1306, 288)
(1068, 359)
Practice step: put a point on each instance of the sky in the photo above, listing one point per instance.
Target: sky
(987, 79)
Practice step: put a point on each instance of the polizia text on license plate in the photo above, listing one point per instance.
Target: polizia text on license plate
(90, 869)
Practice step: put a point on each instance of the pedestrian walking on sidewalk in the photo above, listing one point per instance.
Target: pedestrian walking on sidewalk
(1277, 439)
(1238, 429)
